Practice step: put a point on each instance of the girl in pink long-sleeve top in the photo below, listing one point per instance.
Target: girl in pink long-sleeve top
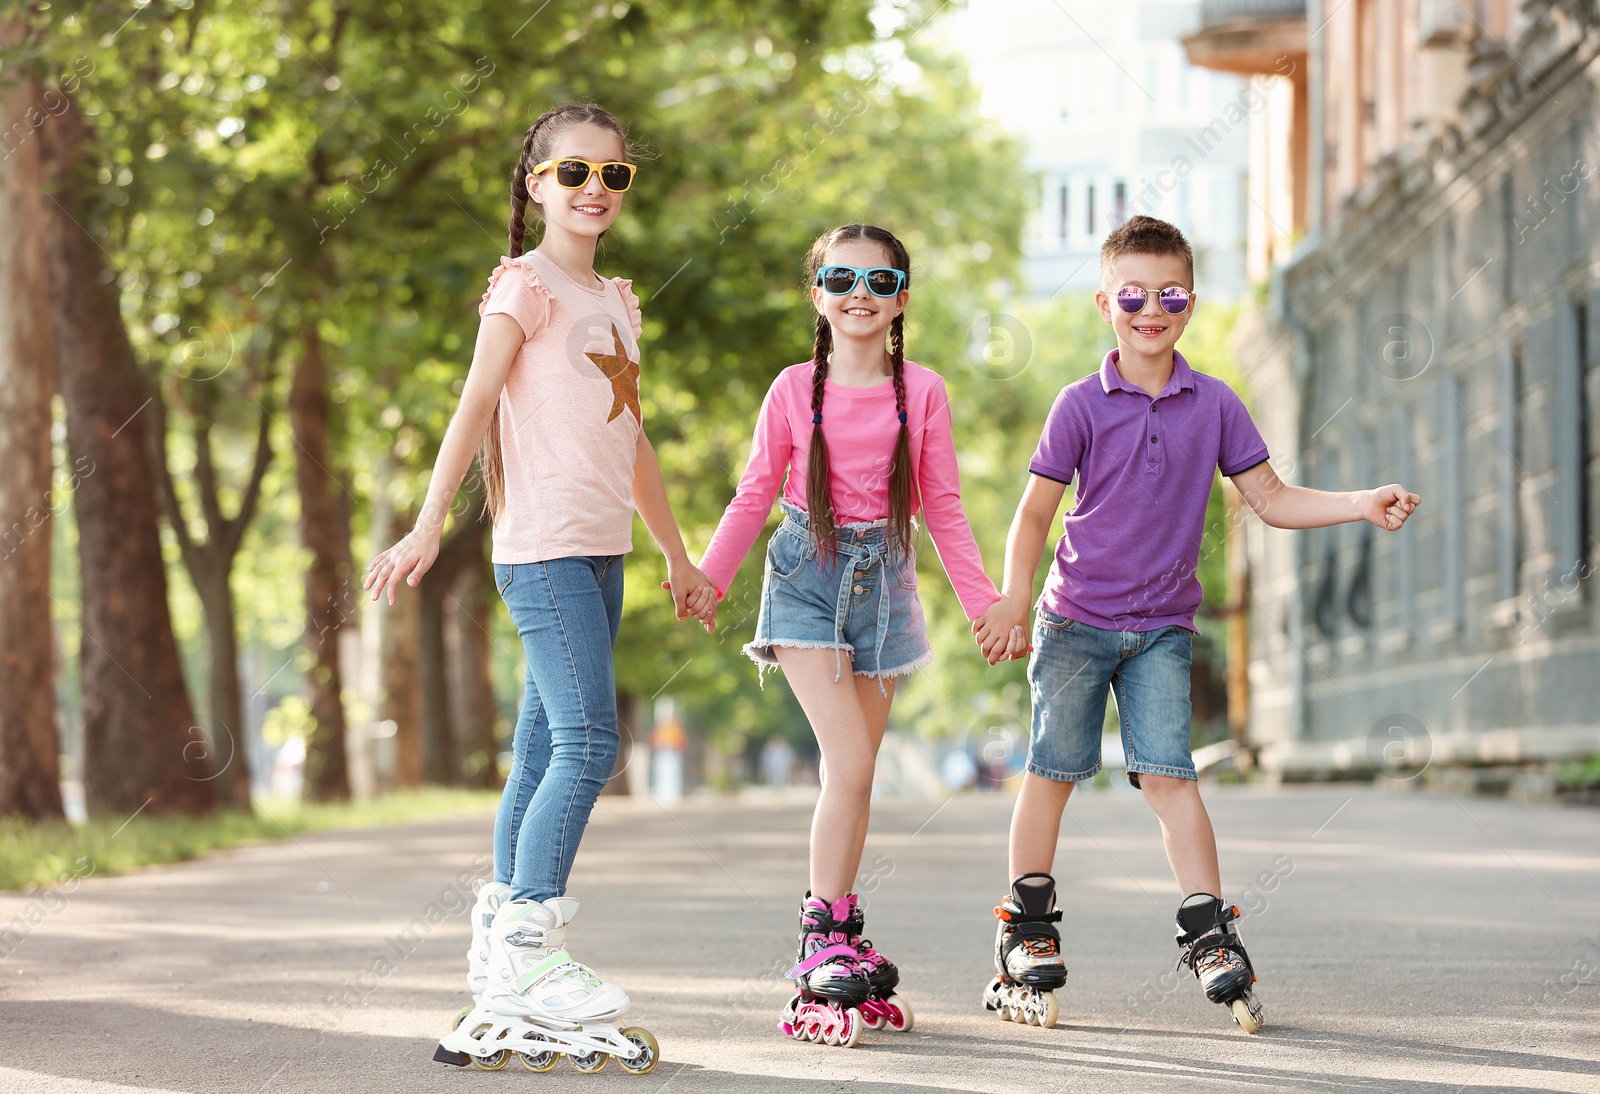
(863, 436)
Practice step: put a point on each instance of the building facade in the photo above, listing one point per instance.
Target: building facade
(1437, 325)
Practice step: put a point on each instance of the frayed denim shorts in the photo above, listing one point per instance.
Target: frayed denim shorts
(861, 600)
(1072, 668)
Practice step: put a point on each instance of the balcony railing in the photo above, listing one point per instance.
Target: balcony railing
(1215, 13)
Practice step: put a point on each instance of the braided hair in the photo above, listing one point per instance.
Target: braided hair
(537, 144)
(819, 499)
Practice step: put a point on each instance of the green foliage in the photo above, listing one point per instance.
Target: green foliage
(267, 166)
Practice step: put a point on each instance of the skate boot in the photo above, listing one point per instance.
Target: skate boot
(883, 1007)
(1027, 954)
(1213, 950)
(538, 1004)
(830, 985)
(491, 894)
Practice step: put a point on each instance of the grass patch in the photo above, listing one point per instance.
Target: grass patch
(47, 854)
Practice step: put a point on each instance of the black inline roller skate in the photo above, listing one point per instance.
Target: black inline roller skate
(1027, 957)
(1214, 951)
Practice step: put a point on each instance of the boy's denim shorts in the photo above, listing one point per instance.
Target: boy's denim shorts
(1072, 666)
(861, 601)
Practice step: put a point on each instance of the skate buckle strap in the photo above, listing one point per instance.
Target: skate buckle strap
(822, 956)
(555, 960)
(1003, 913)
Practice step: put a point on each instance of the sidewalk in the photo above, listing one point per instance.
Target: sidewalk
(1406, 943)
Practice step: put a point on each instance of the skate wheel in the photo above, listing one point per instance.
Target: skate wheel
(900, 1017)
(647, 1058)
(590, 1063)
(492, 1063)
(850, 1035)
(1248, 1022)
(830, 1035)
(1049, 1011)
(462, 1017)
(535, 1060)
(873, 1019)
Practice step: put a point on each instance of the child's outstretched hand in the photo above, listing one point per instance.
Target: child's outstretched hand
(1389, 506)
(406, 561)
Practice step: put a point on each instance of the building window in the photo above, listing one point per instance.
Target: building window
(1089, 219)
(1062, 220)
(1510, 524)
(1119, 202)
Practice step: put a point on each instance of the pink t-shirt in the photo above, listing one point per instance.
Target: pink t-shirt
(860, 427)
(569, 414)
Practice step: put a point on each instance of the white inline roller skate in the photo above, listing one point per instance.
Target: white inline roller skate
(538, 1004)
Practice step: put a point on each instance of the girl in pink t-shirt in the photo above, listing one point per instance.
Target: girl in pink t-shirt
(554, 383)
(858, 439)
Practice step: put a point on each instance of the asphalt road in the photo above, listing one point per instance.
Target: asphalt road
(1405, 942)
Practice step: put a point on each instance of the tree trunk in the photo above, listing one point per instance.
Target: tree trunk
(400, 627)
(30, 750)
(230, 740)
(473, 686)
(140, 744)
(441, 760)
(324, 531)
(210, 566)
(628, 712)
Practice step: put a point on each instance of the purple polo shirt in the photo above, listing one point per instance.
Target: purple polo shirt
(1129, 556)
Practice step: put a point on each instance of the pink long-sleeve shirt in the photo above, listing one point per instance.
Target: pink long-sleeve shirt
(860, 426)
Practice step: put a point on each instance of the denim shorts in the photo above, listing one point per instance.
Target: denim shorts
(1072, 666)
(862, 600)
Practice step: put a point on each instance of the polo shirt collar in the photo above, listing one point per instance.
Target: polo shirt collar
(1111, 378)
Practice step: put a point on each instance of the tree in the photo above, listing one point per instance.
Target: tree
(141, 748)
(209, 558)
(29, 750)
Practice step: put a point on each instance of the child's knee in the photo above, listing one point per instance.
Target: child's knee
(1167, 787)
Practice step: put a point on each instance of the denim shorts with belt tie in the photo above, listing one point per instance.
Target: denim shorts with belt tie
(861, 600)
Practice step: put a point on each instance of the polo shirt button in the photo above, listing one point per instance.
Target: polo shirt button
(1152, 440)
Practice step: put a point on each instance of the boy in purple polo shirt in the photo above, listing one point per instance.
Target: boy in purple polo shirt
(1144, 438)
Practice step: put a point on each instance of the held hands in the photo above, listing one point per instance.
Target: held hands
(692, 593)
(1389, 506)
(412, 557)
(1002, 631)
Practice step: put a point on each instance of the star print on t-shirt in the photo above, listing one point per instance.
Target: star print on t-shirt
(624, 376)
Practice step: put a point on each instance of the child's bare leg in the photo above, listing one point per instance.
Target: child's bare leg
(1036, 824)
(876, 709)
(1186, 832)
(848, 755)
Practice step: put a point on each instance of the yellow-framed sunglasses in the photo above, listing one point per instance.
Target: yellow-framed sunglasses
(574, 174)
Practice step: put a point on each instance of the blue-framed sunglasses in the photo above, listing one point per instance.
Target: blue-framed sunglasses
(881, 280)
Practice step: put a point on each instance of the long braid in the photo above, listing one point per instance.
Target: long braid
(819, 497)
(900, 467)
(537, 143)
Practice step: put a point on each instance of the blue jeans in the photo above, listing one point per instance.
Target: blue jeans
(1072, 667)
(567, 611)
